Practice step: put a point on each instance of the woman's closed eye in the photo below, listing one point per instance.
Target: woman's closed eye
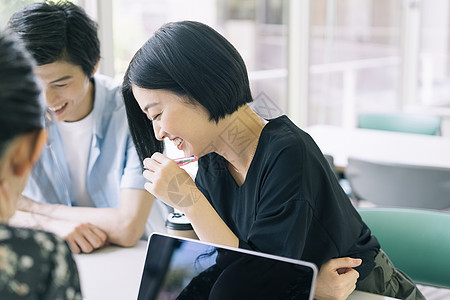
(155, 117)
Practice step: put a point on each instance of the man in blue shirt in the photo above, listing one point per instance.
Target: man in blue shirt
(87, 186)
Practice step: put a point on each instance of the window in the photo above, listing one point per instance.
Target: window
(355, 59)
(255, 28)
(434, 53)
(8, 7)
(378, 55)
(364, 55)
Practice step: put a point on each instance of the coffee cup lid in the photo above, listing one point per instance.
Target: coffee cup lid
(178, 221)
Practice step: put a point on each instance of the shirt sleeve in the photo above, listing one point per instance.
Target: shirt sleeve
(132, 175)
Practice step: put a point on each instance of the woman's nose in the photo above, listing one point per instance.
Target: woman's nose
(159, 132)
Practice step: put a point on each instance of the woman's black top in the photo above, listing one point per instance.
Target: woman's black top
(291, 203)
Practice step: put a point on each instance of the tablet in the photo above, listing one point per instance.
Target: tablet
(181, 268)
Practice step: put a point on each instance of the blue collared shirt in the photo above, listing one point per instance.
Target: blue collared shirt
(113, 162)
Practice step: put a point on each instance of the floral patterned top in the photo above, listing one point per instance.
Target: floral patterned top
(36, 265)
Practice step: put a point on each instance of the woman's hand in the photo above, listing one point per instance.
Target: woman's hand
(337, 278)
(173, 185)
(169, 183)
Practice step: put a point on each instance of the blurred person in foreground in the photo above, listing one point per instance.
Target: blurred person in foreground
(33, 264)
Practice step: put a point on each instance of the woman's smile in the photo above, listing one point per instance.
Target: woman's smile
(178, 143)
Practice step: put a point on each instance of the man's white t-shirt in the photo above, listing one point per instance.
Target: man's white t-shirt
(76, 138)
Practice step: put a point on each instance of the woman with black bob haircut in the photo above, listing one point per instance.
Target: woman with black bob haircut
(262, 185)
(172, 60)
(35, 264)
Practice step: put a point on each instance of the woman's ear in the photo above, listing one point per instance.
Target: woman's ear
(28, 148)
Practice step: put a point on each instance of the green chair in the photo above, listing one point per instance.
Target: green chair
(401, 122)
(416, 241)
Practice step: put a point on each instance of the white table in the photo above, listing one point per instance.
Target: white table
(114, 273)
(379, 145)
